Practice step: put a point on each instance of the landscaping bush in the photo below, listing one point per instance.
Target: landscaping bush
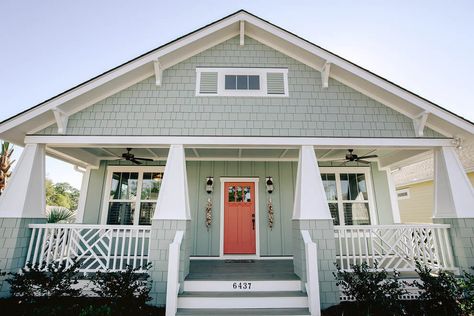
(54, 282)
(125, 291)
(373, 289)
(467, 287)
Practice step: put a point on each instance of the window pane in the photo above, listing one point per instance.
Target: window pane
(120, 213)
(231, 194)
(344, 186)
(114, 185)
(240, 196)
(356, 214)
(151, 185)
(254, 82)
(146, 213)
(334, 213)
(247, 194)
(124, 186)
(362, 186)
(242, 82)
(329, 183)
(230, 82)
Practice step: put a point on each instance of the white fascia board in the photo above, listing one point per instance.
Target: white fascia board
(213, 142)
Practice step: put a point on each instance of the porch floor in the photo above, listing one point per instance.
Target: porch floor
(241, 270)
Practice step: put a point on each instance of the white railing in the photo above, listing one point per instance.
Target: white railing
(312, 276)
(172, 284)
(95, 247)
(394, 247)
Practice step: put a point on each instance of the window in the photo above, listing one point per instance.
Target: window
(250, 82)
(348, 194)
(403, 194)
(131, 195)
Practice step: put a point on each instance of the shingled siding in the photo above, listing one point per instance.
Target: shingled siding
(174, 109)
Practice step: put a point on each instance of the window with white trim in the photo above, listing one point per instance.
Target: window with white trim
(349, 195)
(250, 82)
(131, 196)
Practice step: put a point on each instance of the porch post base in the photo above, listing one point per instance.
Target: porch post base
(162, 235)
(14, 241)
(462, 240)
(322, 233)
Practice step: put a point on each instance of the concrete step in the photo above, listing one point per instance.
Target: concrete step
(239, 300)
(244, 311)
(241, 285)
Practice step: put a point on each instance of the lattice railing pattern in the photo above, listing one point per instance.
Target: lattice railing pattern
(95, 247)
(394, 247)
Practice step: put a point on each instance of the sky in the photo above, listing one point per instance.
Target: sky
(47, 46)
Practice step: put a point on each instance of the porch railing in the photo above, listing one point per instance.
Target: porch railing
(95, 247)
(394, 247)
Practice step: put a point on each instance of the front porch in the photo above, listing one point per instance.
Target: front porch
(323, 212)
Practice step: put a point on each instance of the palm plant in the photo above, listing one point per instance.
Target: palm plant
(59, 214)
(5, 164)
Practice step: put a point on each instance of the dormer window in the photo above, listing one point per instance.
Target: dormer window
(244, 82)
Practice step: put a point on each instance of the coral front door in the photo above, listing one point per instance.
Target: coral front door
(239, 218)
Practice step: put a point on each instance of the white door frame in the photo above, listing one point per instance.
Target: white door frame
(257, 226)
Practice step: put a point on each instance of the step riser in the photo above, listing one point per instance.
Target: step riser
(243, 302)
(228, 286)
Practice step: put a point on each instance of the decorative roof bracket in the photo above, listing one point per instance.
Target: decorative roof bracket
(158, 72)
(61, 120)
(419, 123)
(325, 74)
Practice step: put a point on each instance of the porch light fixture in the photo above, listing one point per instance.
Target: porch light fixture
(269, 184)
(209, 184)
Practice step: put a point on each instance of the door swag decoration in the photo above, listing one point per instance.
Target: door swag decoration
(270, 213)
(209, 189)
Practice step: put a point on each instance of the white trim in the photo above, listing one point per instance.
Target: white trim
(242, 32)
(61, 120)
(158, 72)
(325, 74)
(393, 197)
(140, 170)
(259, 258)
(255, 180)
(222, 72)
(340, 201)
(81, 205)
(406, 197)
(210, 142)
(419, 123)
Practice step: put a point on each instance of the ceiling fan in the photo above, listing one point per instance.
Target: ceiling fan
(131, 157)
(350, 156)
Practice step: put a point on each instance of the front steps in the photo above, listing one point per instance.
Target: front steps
(260, 287)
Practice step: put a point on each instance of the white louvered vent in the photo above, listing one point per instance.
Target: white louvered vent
(275, 83)
(208, 83)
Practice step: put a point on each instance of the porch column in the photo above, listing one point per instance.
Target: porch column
(22, 203)
(454, 204)
(311, 213)
(172, 214)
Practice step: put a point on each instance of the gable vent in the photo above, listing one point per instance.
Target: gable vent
(208, 83)
(275, 83)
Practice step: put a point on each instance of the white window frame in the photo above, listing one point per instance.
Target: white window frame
(370, 193)
(261, 72)
(140, 170)
(407, 191)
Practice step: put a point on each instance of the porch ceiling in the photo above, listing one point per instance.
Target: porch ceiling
(387, 157)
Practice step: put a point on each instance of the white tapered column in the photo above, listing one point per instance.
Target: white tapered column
(453, 192)
(24, 196)
(173, 200)
(310, 197)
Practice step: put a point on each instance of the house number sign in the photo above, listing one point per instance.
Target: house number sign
(242, 286)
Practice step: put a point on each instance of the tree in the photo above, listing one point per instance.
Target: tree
(61, 194)
(5, 164)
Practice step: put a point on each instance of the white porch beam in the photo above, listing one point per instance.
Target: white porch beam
(453, 192)
(24, 196)
(158, 72)
(61, 120)
(173, 200)
(242, 32)
(325, 74)
(310, 197)
(232, 142)
(419, 123)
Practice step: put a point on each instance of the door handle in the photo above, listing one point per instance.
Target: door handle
(253, 221)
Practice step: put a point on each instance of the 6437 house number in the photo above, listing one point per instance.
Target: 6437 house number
(242, 285)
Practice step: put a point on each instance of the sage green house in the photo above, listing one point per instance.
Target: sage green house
(242, 162)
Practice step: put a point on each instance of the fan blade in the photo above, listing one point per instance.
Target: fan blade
(135, 161)
(144, 159)
(363, 161)
(369, 156)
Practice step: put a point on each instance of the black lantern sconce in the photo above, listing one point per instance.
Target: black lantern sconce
(269, 184)
(209, 184)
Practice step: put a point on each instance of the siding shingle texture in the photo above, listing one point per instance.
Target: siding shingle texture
(173, 108)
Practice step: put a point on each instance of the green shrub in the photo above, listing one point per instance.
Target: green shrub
(91, 310)
(126, 291)
(372, 288)
(466, 285)
(56, 281)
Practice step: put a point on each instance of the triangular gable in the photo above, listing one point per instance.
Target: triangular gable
(61, 107)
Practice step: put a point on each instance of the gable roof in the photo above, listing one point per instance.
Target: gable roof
(110, 82)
